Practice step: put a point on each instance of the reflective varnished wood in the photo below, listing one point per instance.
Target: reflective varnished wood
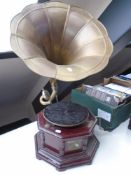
(66, 147)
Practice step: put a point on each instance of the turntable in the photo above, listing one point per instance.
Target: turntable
(65, 138)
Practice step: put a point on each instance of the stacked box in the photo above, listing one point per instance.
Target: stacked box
(109, 117)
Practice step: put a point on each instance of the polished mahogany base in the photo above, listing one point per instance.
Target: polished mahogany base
(66, 147)
(62, 162)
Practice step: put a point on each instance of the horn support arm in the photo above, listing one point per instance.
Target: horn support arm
(45, 98)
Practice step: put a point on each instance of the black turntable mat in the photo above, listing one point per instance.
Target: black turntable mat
(65, 114)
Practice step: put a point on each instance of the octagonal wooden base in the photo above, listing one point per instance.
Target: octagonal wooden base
(65, 161)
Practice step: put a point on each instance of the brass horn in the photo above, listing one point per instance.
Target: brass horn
(60, 41)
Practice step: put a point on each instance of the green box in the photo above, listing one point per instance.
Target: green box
(109, 117)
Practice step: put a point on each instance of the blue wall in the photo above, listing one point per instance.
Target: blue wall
(117, 18)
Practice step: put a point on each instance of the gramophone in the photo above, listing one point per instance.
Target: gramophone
(66, 43)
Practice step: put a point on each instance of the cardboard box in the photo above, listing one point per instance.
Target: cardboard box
(117, 81)
(109, 117)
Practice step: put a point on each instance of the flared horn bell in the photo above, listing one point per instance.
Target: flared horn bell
(60, 41)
